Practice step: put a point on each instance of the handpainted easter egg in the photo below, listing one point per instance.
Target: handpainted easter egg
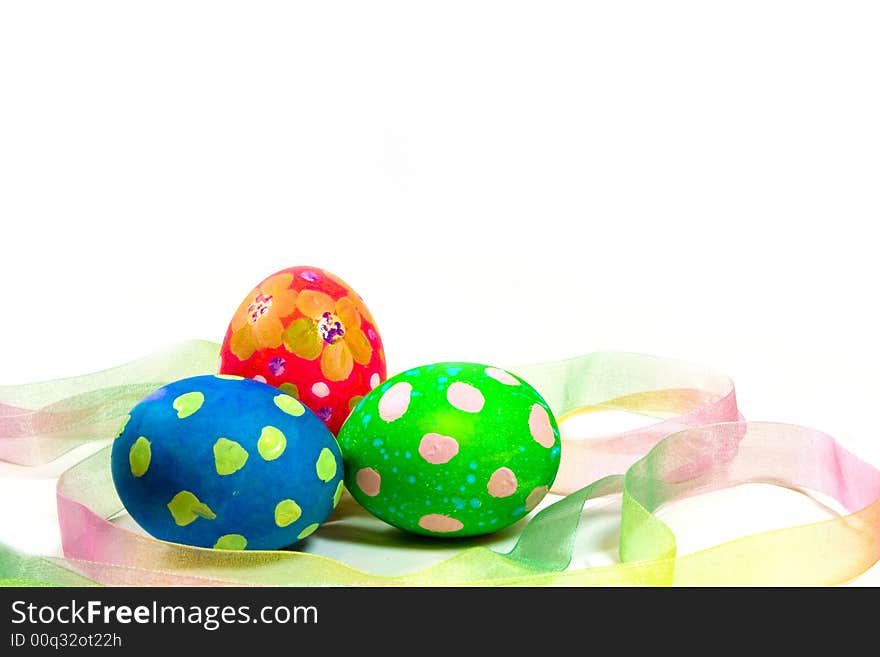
(307, 332)
(452, 449)
(226, 462)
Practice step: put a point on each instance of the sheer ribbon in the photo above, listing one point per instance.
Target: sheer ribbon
(696, 442)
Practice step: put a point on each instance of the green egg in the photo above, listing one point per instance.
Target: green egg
(451, 449)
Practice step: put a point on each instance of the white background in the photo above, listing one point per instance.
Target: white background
(503, 182)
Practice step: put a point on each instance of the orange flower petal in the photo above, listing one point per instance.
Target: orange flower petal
(302, 339)
(361, 307)
(314, 304)
(268, 331)
(348, 313)
(243, 342)
(241, 315)
(284, 303)
(359, 345)
(336, 361)
(275, 285)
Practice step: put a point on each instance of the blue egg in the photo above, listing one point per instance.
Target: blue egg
(225, 462)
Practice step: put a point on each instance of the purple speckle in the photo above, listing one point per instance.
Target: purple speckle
(330, 328)
(276, 366)
(310, 276)
(324, 413)
(371, 333)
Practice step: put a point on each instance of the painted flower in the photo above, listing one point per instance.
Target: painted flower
(355, 298)
(330, 329)
(257, 322)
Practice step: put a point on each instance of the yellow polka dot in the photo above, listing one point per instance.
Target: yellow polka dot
(229, 377)
(287, 512)
(289, 405)
(338, 494)
(186, 507)
(308, 530)
(139, 457)
(326, 465)
(229, 456)
(231, 542)
(271, 444)
(188, 403)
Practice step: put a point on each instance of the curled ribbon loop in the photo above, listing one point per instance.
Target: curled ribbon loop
(696, 442)
(41, 421)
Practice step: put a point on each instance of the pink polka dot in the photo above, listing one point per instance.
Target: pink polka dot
(535, 497)
(437, 449)
(260, 378)
(395, 401)
(502, 483)
(539, 425)
(320, 389)
(465, 397)
(369, 481)
(435, 522)
(502, 376)
(375, 381)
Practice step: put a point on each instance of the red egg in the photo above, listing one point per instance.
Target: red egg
(309, 333)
